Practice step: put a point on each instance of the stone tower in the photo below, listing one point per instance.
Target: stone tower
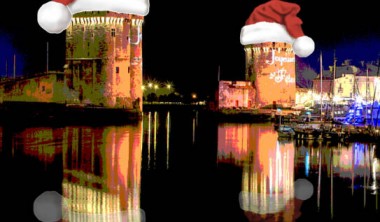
(271, 69)
(104, 60)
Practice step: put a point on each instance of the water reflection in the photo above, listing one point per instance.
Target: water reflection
(270, 169)
(101, 168)
(352, 167)
(268, 179)
(157, 126)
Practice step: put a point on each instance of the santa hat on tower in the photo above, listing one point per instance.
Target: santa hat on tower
(277, 21)
(55, 16)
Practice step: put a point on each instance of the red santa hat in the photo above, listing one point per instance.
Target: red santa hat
(277, 21)
(55, 16)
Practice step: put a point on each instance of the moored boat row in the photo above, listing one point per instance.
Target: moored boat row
(330, 132)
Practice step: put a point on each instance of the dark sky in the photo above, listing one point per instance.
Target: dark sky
(185, 41)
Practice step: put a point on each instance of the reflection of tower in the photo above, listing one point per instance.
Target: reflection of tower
(103, 56)
(102, 174)
(271, 67)
(268, 166)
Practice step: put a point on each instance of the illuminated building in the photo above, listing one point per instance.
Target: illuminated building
(271, 69)
(269, 78)
(103, 66)
(304, 97)
(235, 94)
(347, 85)
(104, 58)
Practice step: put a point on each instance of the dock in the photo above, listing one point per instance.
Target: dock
(331, 132)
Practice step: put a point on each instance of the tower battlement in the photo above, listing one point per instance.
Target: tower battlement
(268, 47)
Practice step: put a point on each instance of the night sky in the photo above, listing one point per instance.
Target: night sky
(185, 41)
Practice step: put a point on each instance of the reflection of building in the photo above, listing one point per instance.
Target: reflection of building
(267, 183)
(355, 164)
(37, 142)
(101, 167)
(102, 177)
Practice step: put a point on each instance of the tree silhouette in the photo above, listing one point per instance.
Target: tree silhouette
(304, 75)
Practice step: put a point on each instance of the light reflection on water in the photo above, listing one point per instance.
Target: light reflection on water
(102, 169)
(268, 176)
(270, 168)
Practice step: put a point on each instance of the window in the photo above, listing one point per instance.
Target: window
(113, 32)
(117, 69)
(129, 69)
(340, 89)
(43, 88)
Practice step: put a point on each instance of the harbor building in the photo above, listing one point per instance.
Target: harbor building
(103, 66)
(271, 69)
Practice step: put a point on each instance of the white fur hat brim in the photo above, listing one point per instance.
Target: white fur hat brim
(264, 32)
(261, 32)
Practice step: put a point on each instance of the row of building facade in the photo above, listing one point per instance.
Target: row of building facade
(270, 79)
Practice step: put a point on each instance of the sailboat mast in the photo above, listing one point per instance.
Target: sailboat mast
(374, 93)
(218, 73)
(333, 89)
(6, 68)
(366, 98)
(14, 66)
(321, 73)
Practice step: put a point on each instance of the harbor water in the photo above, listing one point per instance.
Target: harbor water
(183, 165)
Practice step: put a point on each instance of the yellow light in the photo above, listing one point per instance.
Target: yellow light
(156, 86)
(194, 96)
(150, 85)
(143, 87)
(169, 86)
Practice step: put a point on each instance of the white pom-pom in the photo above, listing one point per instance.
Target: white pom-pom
(303, 46)
(54, 17)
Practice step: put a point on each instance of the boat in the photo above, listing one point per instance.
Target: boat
(285, 132)
(361, 113)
